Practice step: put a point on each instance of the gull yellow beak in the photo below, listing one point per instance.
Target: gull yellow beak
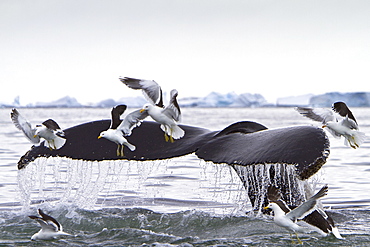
(324, 126)
(142, 110)
(267, 207)
(34, 136)
(99, 137)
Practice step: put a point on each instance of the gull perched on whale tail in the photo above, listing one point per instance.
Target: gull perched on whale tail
(285, 217)
(118, 128)
(48, 130)
(167, 116)
(339, 121)
(50, 227)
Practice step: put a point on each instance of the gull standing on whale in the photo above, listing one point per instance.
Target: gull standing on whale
(287, 218)
(339, 121)
(50, 227)
(48, 130)
(118, 128)
(167, 116)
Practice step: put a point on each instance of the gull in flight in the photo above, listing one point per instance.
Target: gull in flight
(120, 128)
(166, 116)
(50, 227)
(48, 130)
(287, 218)
(339, 121)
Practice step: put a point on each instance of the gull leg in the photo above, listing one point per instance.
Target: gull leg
(299, 240)
(55, 147)
(122, 152)
(166, 137)
(51, 144)
(118, 151)
(171, 138)
(354, 142)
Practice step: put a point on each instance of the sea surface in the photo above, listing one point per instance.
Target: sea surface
(177, 202)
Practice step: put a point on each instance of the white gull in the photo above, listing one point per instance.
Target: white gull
(50, 227)
(339, 121)
(48, 130)
(166, 116)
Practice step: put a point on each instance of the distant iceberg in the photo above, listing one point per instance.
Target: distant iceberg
(211, 100)
(228, 100)
(300, 100)
(216, 100)
(133, 102)
(15, 103)
(66, 101)
(358, 99)
(105, 103)
(189, 101)
(249, 100)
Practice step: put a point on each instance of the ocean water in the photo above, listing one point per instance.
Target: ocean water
(178, 202)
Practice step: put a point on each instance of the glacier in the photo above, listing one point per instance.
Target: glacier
(356, 99)
(216, 99)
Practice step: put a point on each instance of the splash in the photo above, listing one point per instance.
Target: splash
(223, 185)
(165, 186)
(85, 184)
(257, 178)
(62, 180)
(183, 183)
(90, 184)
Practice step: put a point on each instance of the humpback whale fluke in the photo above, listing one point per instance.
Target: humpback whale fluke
(82, 143)
(242, 143)
(303, 146)
(260, 156)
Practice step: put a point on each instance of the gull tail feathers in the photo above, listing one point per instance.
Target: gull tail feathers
(356, 140)
(130, 146)
(59, 142)
(176, 132)
(61, 233)
(56, 143)
(336, 233)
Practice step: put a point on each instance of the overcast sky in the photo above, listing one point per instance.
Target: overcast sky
(50, 48)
